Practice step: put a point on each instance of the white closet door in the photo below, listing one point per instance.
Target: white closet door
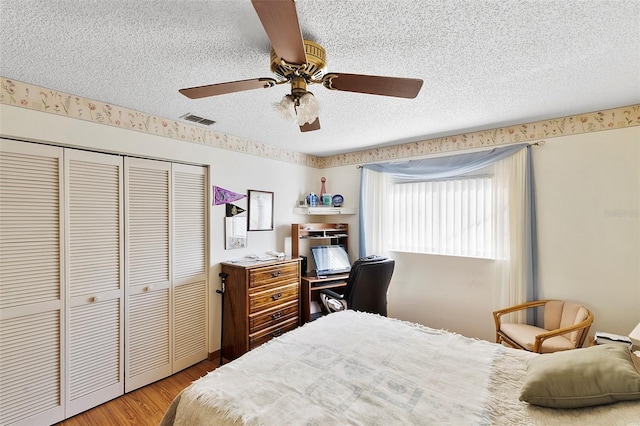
(31, 300)
(189, 265)
(148, 337)
(94, 247)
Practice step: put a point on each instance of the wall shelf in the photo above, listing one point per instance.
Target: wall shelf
(324, 210)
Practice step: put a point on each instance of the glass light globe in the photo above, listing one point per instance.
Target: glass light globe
(307, 109)
(285, 108)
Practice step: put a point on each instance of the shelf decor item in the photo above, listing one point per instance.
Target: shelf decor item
(313, 200)
(337, 200)
(323, 189)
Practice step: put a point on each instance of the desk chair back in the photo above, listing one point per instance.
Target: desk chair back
(368, 283)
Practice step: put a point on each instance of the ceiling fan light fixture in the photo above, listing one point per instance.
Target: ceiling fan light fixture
(307, 109)
(286, 108)
(302, 62)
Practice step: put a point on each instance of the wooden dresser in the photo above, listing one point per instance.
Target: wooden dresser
(261, 301)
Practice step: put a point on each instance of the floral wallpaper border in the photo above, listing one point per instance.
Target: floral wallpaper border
(37, 98)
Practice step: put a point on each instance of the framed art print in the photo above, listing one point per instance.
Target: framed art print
(260, 210)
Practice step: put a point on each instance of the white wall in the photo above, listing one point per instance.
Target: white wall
(588, 190)
(446, 292)
(588, 195)
(346, 182)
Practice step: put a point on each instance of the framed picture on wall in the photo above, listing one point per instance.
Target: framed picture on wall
(260, 210)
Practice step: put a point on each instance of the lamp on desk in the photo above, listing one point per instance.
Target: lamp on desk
(635, 336)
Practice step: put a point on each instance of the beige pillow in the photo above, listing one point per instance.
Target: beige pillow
(596, 375)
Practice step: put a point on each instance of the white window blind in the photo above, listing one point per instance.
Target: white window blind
(452, 217)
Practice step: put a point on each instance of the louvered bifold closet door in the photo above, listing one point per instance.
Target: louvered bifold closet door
(95, 279)
(189, 265)
(148, 337)
(31, 300)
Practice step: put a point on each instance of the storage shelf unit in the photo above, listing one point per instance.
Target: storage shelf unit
(324, 210)
(320, 233)
(324, 236)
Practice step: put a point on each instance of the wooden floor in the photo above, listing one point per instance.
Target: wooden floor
(144, 406)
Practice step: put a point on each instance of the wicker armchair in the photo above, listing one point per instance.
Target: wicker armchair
(566, 325)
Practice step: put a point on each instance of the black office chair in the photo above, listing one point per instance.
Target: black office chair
(366, 288)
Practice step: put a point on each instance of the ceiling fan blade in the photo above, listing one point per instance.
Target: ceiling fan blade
(230, 87)
(306, 127)
(373, 84)
(280, 20)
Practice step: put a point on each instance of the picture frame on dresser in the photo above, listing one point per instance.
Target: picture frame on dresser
(260, 210)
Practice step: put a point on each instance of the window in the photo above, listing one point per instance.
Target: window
(450, 217)
(494, 219)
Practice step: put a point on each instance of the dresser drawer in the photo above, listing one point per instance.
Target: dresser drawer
(270, 317)
(272, 297)
(256, 339)
(271, 275)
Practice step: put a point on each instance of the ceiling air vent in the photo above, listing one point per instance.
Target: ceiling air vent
(190, 117)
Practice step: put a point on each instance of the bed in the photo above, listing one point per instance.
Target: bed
(364, 369)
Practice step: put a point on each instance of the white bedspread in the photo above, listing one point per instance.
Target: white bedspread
(362, 369)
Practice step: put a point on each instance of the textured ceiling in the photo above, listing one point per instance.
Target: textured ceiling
(485, 64)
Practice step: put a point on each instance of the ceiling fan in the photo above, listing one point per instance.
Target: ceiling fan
(301, 62)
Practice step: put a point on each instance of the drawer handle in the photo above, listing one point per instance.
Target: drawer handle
(277, 333)
(276, 296)
(276, 274)
(276, 315)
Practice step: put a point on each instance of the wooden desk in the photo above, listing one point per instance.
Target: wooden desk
(309, 292)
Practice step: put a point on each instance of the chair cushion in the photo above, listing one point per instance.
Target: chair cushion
(560, 314)
(585, 377)
(525, 336)
(574, 336)
(553, 314)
